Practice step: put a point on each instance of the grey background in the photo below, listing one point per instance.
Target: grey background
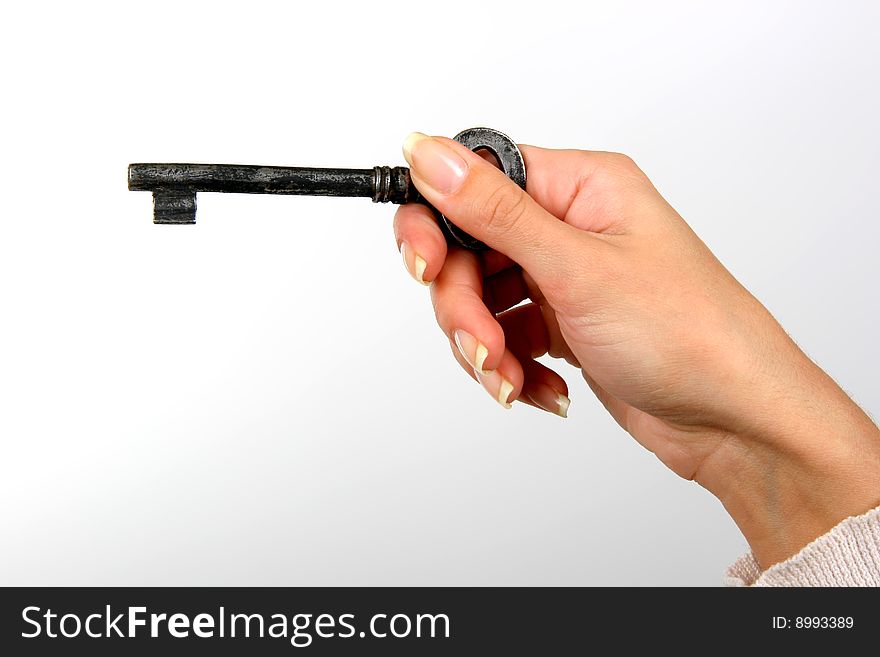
(264, 398)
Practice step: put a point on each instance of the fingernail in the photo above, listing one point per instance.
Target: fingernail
(434, 162)
(496, 385)
(547, 398)
(473, 350)
(416, 268)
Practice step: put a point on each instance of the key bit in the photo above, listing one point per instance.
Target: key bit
(175, 186)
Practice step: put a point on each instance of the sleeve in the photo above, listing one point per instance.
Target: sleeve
(848, 555)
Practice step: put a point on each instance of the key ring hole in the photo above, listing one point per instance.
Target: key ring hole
(490, 156)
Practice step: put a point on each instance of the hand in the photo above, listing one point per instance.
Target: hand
(681, 355)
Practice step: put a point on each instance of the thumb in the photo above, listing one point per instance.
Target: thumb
(478, 198)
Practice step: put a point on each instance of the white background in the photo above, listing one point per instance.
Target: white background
(264, 398)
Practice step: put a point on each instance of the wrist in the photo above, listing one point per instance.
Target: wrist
(810, 460)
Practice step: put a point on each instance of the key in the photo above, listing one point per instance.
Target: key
(175, 186)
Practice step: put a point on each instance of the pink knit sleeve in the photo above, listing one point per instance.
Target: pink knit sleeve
(848, 555)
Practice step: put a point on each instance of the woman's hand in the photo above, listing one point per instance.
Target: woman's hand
(681, 355)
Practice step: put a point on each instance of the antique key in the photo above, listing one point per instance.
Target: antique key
(174, 186)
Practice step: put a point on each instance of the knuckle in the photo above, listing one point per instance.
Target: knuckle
(446, 298)
(620, 167)
(440, 308)
(624, 161)
(441, 315)
(503, 209)
(619, 161)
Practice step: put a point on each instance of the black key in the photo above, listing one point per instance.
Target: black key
(174, 186)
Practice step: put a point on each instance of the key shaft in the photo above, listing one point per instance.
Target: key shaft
(174, 186)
